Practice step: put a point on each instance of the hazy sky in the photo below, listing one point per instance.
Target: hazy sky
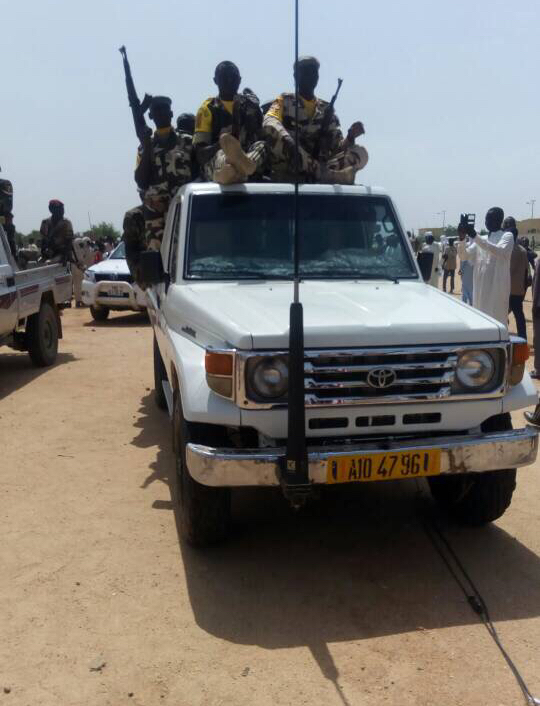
(448, 92)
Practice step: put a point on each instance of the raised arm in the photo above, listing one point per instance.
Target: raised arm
(143, 171)
(501, 250)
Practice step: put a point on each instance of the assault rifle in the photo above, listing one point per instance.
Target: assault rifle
(327, 117)
(137, 108)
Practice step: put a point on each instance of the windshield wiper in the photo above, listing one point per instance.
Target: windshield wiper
(353, 275)
(242, 274)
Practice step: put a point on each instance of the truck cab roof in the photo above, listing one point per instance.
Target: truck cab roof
(277, 188)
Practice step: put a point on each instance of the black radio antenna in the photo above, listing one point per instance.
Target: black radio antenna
(295, 466)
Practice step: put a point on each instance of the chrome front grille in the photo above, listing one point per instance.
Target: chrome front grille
(346, 377)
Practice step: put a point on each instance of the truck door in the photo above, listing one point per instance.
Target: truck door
(158, 294)
(8, 292)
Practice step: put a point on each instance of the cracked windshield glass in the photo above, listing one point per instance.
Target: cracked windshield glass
(232, 236)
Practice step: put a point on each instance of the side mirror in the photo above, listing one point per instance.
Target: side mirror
(151, 267)
(425, 263)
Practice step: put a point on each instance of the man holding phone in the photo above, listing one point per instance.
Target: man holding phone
(490, 255)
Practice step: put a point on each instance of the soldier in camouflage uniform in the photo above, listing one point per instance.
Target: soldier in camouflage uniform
(164, 165)
(6, 215)
(229, 142)
(57, 234)
(185, 127)
(324, 158)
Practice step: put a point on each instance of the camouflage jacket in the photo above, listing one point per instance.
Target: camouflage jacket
(242, 116)
(57, 239)
(280, 120)
(171, 160)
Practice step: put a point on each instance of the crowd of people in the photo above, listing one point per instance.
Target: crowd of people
(496, 269)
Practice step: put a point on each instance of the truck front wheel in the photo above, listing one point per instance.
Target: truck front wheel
(477, 498)
(99, 313)
(204, 511)
(42, 336)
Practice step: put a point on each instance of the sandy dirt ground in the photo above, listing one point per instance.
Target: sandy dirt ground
(346, 605)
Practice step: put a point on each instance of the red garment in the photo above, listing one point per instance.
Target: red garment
(98, 257)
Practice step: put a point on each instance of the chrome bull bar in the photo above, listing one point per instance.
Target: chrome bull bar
(459, 454)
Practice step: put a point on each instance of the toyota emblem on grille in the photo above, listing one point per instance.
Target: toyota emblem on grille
(381, 378)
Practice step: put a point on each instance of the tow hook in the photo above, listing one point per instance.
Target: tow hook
(298, 496)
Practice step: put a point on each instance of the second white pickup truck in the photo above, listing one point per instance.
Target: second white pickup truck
(400, 380)
(30, 303)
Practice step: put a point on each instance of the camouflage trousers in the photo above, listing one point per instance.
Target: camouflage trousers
(155, 206)
(311, 170)
(257, 152)
(135, 239)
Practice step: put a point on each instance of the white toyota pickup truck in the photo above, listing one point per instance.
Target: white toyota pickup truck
(30, 301)
(399, 379)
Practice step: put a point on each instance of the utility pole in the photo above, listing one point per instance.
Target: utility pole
(531, 204)
(443, 214)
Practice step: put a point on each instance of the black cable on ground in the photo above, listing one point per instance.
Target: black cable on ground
(474, 598)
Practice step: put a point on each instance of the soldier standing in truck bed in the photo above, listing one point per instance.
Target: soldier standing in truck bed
(163, 166)
(323, 158)
(185, 127)
(228, 141)
(134, 235)
(57, 234)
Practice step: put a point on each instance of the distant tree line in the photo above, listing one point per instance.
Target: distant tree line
(99, 232)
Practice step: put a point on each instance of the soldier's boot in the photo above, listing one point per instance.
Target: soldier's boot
(236, 155)
(228, 175)
(337, 176)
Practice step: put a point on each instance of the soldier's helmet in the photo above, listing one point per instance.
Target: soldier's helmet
(308, 60)
(186, 123)
(160, 102)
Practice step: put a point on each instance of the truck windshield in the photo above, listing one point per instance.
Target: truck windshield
(119, 253)
(250, 236)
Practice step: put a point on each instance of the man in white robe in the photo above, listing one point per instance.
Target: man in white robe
(490, 255)
(433, 247)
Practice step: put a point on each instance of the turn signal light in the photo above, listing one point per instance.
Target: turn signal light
(219, 363)
(520, 354)
(219, 373)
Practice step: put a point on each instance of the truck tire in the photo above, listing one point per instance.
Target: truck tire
(42, 336)
(100, 313)
(160, 374)
(204, 512)
(475, 499)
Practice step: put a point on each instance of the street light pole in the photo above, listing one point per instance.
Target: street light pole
(531, 204)
(443, 214)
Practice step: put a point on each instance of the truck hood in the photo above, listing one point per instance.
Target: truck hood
(116, 266)
(336, 314)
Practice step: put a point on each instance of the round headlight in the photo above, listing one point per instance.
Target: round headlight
(270, 378)
(475, 369)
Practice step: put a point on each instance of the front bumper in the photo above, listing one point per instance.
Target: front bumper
(113, 294)
(459, 454)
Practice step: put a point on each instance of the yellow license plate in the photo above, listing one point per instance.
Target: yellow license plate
(383, 466)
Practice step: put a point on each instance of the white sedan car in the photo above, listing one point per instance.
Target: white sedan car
(109, 285)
